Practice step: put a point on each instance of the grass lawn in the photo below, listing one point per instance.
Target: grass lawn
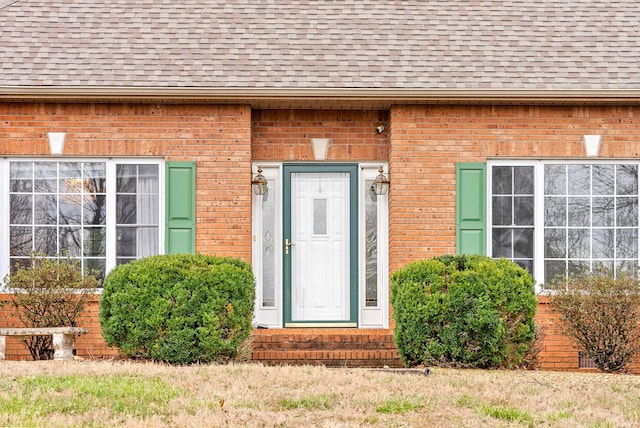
(89, 393)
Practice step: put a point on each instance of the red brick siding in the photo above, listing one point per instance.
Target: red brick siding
(216, 137)
(422, 144)
(286, 135)
(426, 143)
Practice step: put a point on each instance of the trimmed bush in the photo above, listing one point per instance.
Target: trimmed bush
(49, 293)
(179, 309)
(602, 314)
(463, 311)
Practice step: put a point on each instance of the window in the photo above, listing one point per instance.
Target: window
(557, 217)
(73, 207)
(512, 205)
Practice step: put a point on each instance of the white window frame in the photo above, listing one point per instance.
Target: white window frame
(110, 165)
(368, 317)
(538, 222)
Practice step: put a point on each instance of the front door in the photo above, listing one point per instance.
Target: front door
(320, 245)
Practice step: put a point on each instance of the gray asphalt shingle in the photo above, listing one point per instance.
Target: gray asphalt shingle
(548, 45)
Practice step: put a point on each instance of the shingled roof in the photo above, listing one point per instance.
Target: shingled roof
(412, 45)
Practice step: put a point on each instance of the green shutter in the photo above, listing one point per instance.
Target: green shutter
(180, 207)
(471, 212)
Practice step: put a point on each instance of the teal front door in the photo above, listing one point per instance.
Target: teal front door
(320, 245)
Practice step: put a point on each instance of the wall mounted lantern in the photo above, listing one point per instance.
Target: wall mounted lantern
(381, 183)
(56, 142)
(320, 147)
(592, 145)
(259, 183)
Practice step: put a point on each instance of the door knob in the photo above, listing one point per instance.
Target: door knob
(287, 244)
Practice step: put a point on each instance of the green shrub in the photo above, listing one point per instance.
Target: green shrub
(49, 293)
(180, 309)
(464, 311)
(603, 314)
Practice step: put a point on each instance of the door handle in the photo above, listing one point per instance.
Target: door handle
(287, 244)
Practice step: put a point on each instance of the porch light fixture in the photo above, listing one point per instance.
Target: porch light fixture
(320, 147)
(56, 142)
(259, 183)
(592, 145)
(381, 183)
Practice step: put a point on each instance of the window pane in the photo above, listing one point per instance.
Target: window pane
(523, 210)
(603, 243)
(70, 209)
(70, 178)
(502, 210)
(555, 245)
(523, 243)
(46, 240)
(71, 241)
(579, 212)
(148, 179)
(96, 266)
(45, 186)
(603, 211)
(126, 209)
(523, 180)
(502, 180)
(603, 179)
(268, 247)
(147, 241)
(95, 240)
(21, 176)
(20, 209)
(627, 180)
(579, 179)
(627, 244)
(148, 212)
(94, 209)
(501, 243)
(555, 180)
(21, 241)
(126, 178)
(555, 211)
(126, 244)
(578, 267)
(629, 267)
(46, 209)
(626, 212)
(554, 269)
(95, 177)
(319, 216)
(371, 249)
(579, 243)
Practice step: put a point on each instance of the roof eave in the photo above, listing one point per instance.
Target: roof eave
(259, 97)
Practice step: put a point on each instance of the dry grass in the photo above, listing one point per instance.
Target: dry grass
(152, 395)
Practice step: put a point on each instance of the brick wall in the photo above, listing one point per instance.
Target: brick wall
(427, 141)
(422, 144)
(216, 137)
(285, 135)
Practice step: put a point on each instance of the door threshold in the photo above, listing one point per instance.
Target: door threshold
(321, 324)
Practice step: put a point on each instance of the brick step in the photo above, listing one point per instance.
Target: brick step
(332, 358)
(323, 343)
(329, 347)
